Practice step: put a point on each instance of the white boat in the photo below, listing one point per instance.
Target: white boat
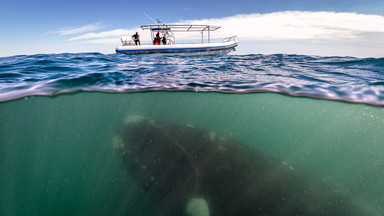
(170, 47)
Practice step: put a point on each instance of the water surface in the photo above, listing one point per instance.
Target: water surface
(56, 149)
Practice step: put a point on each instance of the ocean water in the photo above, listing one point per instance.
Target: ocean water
(321, 117)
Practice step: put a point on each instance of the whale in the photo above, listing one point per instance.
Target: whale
(192, 171)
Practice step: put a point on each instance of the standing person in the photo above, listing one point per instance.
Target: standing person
(136, 38)
(164, 40)
(156, 41)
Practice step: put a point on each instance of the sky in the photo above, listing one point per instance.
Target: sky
(325, 28)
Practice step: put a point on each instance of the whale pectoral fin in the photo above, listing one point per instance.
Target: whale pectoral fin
(197, 207)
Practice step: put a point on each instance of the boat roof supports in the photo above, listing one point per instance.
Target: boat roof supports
(182, 28)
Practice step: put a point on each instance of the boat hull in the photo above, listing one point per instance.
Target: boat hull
(180, 49)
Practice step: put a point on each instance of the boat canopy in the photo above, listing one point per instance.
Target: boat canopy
(182, 28)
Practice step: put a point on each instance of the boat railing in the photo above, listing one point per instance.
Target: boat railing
(227, 39)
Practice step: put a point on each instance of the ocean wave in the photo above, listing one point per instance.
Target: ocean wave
(332, 78)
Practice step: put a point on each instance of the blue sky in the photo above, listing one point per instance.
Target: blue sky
(317, 27)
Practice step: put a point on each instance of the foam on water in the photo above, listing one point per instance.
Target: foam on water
(333, 78)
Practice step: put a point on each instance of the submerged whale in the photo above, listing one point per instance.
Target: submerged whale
(186, 170)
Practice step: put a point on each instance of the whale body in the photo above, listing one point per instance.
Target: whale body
(180, 166)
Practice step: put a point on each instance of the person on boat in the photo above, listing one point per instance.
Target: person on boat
(164, 40)
(136, 38)
(156, 41)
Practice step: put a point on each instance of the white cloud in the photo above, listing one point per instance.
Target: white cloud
(110, 37)
(289, 25)
(300, 32)
(78, 30)
(298, 25)
(106, 40)
(104, 34)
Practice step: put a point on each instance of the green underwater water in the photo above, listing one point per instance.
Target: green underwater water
(57, 155)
